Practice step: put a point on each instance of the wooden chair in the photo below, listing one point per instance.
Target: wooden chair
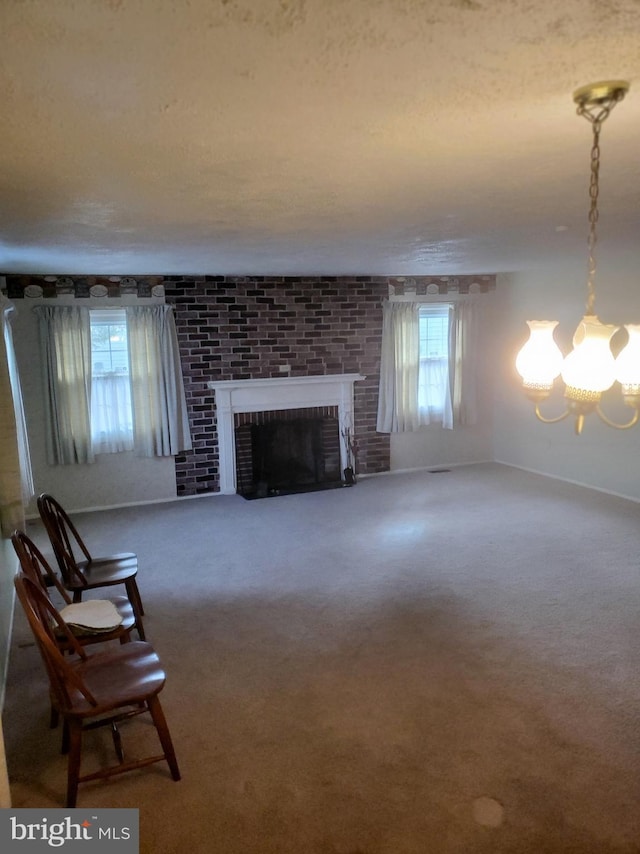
(101, 689)
(89, 573)
(35, 566)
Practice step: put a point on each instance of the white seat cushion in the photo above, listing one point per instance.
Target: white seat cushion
(94, 615)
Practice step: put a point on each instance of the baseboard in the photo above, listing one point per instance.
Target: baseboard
(435, 467)
(633, 498)
(137, 503)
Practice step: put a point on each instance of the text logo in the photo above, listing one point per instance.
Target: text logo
(29, 831)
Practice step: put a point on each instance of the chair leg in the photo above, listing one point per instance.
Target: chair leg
(136, 592)
(65, 736)
(54, 717)
(164, 735)
(134, 598)
(73, 767)
(117, 742)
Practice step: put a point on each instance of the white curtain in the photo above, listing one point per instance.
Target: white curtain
(160, 421)
(463, 357)
(16, 480)
(435, 386)
(402, 374)
(111, 416)
(398, 409)
(65, 338)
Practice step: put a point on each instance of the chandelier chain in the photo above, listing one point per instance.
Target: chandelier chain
(594, 189)
(596, 112)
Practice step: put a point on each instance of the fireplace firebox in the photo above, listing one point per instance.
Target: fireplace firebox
(289, 452)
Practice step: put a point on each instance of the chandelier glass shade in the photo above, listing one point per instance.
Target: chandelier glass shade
(590, 368)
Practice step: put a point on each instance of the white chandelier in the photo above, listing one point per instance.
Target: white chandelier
(590, 369)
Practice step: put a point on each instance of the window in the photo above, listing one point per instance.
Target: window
(427, 365)
(111, 413)
(113, 382)
(109, 354)
(433, 370)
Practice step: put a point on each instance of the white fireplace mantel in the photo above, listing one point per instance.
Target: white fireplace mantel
(266, 395)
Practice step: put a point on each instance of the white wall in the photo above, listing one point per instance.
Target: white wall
(114, 478)
(601, 457)
(433, 446)
(8, 566)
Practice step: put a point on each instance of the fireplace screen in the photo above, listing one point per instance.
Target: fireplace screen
(284, 455)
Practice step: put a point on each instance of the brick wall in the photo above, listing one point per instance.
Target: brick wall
(245, 327)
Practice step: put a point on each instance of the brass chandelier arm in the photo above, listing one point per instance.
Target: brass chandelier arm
(610, 423)
(555, 420)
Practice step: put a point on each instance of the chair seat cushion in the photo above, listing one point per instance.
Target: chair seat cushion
(92, 616)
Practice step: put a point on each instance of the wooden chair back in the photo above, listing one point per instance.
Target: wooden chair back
(65, 539)
(35, 566)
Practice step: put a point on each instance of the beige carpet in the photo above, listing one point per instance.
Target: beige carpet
(423, 663)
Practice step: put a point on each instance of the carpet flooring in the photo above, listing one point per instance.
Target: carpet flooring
(421, 664)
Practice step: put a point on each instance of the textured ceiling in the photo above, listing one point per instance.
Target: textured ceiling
(315, 136)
